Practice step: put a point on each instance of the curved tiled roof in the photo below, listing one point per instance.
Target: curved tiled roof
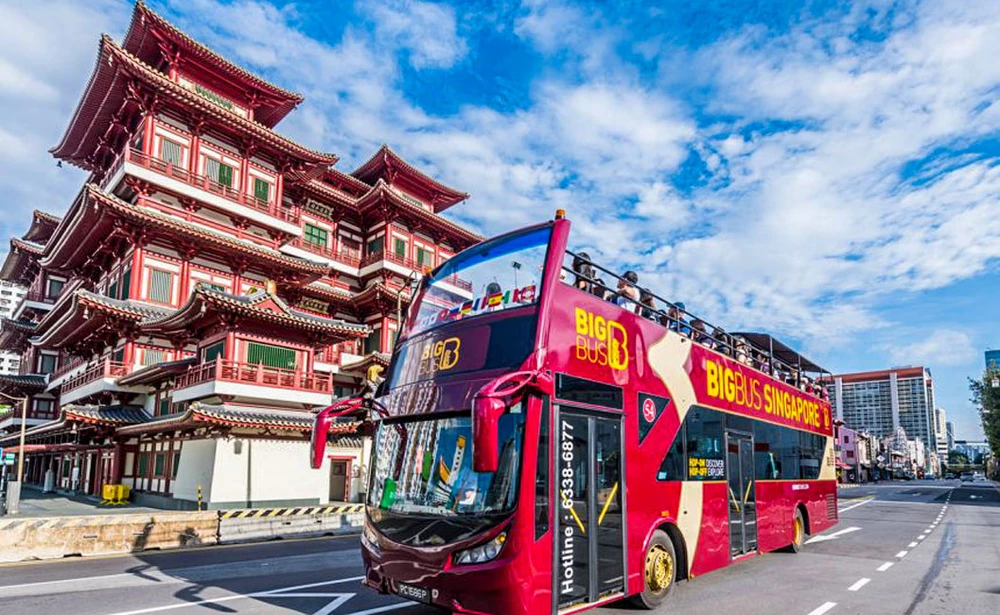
(246, 417)
(143, 16)
(126, 307)
(148, 217)
(379, 164)
(106, 415)
(252, 306)
(21, 383)
(361, 365)
(382, 190)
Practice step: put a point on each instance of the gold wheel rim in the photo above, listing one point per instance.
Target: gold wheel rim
(659, 569)
(798, 531)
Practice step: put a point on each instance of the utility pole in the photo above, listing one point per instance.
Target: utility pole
(14, 487)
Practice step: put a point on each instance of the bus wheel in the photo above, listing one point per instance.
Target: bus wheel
(798, 532)
(660, 571)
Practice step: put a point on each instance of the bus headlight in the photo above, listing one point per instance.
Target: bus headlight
(370, 539)
(482, 553)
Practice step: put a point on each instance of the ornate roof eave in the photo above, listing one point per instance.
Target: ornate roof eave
(21, 385)
(382, 191)
(332, 293)
(234, 417)
(318, 188)
(72, 416)
(76, 311)
(143, 17)
(378, 292)
(14, 334)
(206, 302)
(112, 57)
(385, 160)
(92, 198)
(360, 367)
(149, 375)
(17, 266)
(43, 224)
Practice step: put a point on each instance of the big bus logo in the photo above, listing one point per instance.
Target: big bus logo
(601, 341)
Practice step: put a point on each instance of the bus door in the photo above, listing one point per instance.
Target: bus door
(742, 500)
(590, 525)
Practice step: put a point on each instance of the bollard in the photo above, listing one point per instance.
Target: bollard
(199, 498)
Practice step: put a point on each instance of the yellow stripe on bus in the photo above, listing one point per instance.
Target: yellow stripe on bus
(604, 511)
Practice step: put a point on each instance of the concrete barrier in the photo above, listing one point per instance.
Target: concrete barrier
(267, 524)
(25, 539)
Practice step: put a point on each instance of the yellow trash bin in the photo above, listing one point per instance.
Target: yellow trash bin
(122, 492)
(108, 494)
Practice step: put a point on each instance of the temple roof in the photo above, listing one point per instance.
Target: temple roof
(71, 417)
(380, 294)
(19, 385)
(117, 70)
(384, 192)
(20, 264)
(157, 372)
(14, 334)
(79, 314)
(95, 216)
(389, 166)
(235, 416)
(205, 305)
(149, 34)
(360, 367)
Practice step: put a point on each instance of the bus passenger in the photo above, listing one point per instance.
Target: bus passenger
(600, 289)
(742, 351)
(648, 305)
(584, 272)
(676, 321)
(627, 295)
(723, 343)
(700, 334)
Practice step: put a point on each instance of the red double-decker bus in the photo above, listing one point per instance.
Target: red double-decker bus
(548, 442)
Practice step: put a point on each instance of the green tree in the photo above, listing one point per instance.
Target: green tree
(986, 397)
(958, 458)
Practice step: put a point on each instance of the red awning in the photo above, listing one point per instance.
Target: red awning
(48, 448)
(843, 466)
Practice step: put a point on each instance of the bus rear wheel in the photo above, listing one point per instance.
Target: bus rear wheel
(798, 532)
(659, 571)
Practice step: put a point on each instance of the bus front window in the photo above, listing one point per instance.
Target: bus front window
(424, 491)
(493, 276)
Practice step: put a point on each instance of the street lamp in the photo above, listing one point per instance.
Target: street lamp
(14, 493)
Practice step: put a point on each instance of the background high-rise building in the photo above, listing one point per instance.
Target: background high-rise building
(942, 434)
(950, 435)
(10, 297)
(879, 402)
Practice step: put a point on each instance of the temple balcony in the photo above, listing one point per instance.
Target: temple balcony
(182, 182)
(403, 265)
(341, 259)
(251, 381)
(96, 379)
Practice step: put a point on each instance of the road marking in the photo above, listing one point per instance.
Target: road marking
(847, 508)
(833, 536)
(884, 567)
(921, 537)
(332, 606)
(826, 606)
(103, 576)
(861, 583)
(911, 545)
(273, 593)
(902, 554)
(383, 609)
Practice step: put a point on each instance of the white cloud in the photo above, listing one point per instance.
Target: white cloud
(425, 29)
(945, 347)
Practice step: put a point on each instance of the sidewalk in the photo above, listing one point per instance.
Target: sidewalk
(36, 504)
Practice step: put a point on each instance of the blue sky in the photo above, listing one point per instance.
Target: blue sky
(827, 173)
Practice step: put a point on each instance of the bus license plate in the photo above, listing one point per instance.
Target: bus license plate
(420, 594)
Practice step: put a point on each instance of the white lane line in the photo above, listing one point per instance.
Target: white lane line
(273, 593)
(78, 579)
(921, 537)
(826, 606)
(383, 609)
(847, 508)
(884, 567)
(902, 554)
(861, 583)
(911, 545)
(838, 534)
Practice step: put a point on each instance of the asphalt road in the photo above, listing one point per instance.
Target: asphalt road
(917, 548)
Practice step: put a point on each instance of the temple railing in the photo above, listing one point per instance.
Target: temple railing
(207, 184)
(105, 369)
(343, 256)
(66, 368)
(223, 370)
(405, 261)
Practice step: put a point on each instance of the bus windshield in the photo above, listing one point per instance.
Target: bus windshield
(490, 277)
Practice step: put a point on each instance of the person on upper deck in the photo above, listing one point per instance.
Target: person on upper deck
(584, 272)
(675, 320)
(700, 334)
(600, 289)
(722, 342)
(627, 295)
(648, 306)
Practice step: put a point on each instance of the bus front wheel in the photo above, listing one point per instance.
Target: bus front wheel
(660, 571)
(798, 532)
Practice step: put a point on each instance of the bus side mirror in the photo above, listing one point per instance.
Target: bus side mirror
(317, 444)
(486, 413)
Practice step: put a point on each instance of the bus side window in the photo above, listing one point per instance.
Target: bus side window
(542, 475)
(674, 464)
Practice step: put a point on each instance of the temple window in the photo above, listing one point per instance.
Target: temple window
(375, 246)
(152, 357)
(262, 189)
(47, 363)
(161, 286)
(400, 247)
(219, 172)
(213, 352)
(271, 356)
(171, 152)
(54, 287)
(316, 235)
(373, 343)
(425, 258)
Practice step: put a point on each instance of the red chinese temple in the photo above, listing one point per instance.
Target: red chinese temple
(211, 285)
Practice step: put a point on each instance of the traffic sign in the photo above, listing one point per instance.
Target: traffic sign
(8, 458)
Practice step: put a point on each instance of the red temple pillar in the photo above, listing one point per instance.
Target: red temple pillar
(147, 138)
(118, 463)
